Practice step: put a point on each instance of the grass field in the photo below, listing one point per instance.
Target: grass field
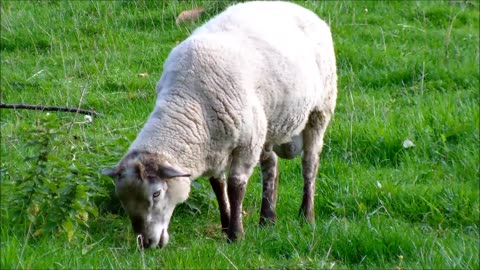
(407, 70)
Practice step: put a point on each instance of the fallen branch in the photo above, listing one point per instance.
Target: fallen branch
(46, 108)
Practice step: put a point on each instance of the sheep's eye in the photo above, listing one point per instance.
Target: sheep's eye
(156, 194)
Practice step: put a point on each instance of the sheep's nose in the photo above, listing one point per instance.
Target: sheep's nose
(147, 242)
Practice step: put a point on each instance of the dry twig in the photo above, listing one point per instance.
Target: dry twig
(47, 108)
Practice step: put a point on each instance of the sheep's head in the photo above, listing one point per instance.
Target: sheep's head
(149, 190)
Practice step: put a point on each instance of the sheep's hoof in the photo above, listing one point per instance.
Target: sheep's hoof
(234, 237)
(231, 239)
(268, 219)
(307, 215)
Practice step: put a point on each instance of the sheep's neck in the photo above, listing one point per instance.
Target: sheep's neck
(175, 135)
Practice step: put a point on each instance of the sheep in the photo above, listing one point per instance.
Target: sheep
(255, 81)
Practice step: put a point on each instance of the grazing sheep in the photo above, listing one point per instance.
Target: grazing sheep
(259, 74)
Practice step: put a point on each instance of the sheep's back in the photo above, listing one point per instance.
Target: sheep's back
(283, 57)
(273, 58)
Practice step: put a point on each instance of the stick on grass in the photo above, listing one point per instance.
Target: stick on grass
(47, 108)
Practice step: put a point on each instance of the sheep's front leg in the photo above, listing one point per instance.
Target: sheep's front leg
(243, 161)
(236, 187)
(268, 164)
(313, 143)
(220, 189)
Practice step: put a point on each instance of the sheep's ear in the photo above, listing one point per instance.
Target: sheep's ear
(112, 173)
(170, 172)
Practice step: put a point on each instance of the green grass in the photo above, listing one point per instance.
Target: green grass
(407, 70)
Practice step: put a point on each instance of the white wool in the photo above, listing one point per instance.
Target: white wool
(251, 75)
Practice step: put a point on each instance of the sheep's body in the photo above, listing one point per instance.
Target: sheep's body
(255, 76)
(250, 76)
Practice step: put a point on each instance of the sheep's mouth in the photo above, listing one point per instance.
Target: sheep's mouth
(143, 243)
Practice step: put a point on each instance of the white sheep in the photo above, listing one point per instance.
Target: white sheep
(257, 75)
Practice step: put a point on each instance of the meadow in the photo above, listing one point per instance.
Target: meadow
(408, 70)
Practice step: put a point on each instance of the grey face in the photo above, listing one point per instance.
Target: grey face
(149, 193)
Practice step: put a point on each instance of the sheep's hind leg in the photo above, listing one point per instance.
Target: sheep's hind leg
(268, 164)
(312, 147)
(220, 189)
